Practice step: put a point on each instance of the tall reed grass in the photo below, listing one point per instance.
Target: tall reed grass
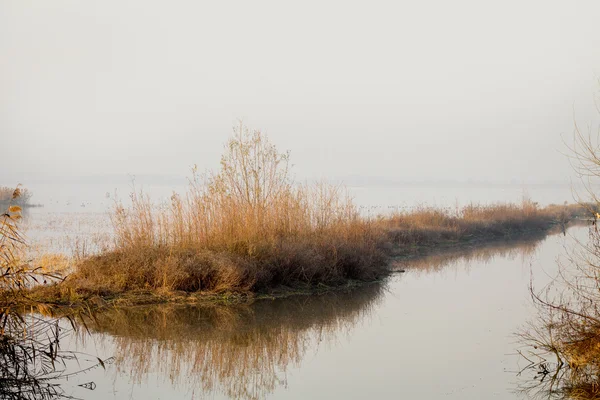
(247, 226)
(250, 227)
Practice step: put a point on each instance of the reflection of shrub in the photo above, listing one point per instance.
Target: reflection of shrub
(240, 350)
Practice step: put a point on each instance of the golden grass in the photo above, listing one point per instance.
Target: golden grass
(249, 227)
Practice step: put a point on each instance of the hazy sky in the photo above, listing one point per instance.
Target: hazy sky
(400, 89)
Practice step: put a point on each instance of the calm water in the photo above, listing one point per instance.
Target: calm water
(443, 329)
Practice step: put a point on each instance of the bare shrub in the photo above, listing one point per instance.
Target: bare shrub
(568, 324)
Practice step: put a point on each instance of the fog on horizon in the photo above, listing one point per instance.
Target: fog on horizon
(407, 91)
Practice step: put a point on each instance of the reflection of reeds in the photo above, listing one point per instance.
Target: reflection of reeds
(242, 351)
(437, 259)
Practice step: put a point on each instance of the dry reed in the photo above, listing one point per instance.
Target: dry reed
(249, 227)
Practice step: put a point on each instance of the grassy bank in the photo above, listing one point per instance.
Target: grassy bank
(249, 228)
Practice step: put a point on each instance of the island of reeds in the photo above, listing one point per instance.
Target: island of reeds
(248, 228)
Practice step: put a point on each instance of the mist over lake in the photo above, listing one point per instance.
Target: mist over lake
(323, 199)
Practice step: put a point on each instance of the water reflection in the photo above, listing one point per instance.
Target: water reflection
(522, 247)
(242, 351)
(248, 350)
(553, 378)
(33, 364)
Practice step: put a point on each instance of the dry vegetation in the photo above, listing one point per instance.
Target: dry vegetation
(564, 343)
(30, 358)
(249, 228)
(23, 200)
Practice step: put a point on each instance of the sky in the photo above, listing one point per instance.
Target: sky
(389, 90)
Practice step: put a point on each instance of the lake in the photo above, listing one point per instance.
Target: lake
(443, 329)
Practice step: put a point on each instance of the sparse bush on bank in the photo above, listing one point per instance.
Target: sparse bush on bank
(249, 227)
(246, 227)
(22, 200)
(563, 344)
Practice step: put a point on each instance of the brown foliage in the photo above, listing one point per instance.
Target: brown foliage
(249, 227)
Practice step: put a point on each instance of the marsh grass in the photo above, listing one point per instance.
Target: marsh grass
(250, 227)
(427, 226)
(246, 227)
